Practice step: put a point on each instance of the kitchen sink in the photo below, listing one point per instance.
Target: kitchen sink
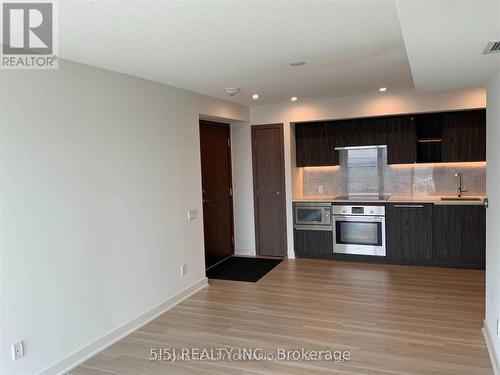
(460, 199)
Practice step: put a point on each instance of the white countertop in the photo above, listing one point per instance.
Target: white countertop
(434, 199)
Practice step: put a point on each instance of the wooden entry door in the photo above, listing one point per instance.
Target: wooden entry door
(217, 191)
(269, 190)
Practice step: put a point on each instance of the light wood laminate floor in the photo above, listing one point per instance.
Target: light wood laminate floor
(392, 319)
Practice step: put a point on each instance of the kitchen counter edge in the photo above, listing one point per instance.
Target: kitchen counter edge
(436, 200)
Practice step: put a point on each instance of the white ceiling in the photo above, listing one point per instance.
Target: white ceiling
(445, 40)
(350, 46)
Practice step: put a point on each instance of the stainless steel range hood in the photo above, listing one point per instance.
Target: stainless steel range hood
(362, 169)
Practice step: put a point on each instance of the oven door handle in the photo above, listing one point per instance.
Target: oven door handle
(354, 219)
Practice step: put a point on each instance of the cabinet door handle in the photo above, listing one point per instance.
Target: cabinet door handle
(408, 206)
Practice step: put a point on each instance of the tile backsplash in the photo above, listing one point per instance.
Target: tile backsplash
(414, 179)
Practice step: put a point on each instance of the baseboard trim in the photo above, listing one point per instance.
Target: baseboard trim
(489, 344)
(80, 356)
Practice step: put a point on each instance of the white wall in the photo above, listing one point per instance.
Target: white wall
(338, 108)
(493, 215)
(97, 172)
(241, 147)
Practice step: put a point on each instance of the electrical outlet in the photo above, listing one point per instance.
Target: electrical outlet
(183, 269)
(191, 215)
(17, 350)
(320, 189)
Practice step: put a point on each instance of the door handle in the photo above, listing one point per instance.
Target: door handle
(275, 192)
(408, 206)
(207, 200)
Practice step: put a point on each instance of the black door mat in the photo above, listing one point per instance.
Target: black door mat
(242, 269)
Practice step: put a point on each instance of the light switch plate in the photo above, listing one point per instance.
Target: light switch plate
(498, 327)
(191, 214)
(17, 350)
(183, 269)
(320, 189)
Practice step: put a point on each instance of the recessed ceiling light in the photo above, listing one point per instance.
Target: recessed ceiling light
(298, 63)
(294, 98)
(255, 96)
(382, 89)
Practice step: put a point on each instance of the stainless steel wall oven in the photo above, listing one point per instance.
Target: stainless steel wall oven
(359, 230)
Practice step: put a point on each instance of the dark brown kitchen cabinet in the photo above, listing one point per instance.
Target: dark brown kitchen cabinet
(314, 145)
(313, 244)
(409, 232)
(464, 136)
(447, 234)
(345, 133)
(474, 234)
(459, 235)
(422, 138)
(400, 140)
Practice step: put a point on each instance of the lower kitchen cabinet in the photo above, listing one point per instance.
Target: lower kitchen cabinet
(447, 234)
(313, 243)
(474, 235)
(416, 234)
(459, 235)
(409, 232)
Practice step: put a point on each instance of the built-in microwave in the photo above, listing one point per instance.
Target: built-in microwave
(312, 216)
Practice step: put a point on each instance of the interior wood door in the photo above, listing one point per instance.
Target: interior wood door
(269, 190)
(217, 191)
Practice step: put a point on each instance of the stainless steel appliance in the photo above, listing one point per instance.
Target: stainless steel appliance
(312, 216)
(359, 230)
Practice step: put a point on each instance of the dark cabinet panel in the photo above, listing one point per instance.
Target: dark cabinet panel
(429, 130)
(400, 140)
(357, 132)
(447, 234)
(435, 137)
(409, 232)
(459, 235)
(314, 145)
(429, 126)
(464, 136)
(474, 234)
(313, 243)
(345, 133)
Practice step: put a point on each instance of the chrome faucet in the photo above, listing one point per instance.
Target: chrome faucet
(461, 188)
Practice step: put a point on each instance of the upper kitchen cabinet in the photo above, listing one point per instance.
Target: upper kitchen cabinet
(422, 138)
(464, 136)
(429, 137)
(400, 139)
(314, 145)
